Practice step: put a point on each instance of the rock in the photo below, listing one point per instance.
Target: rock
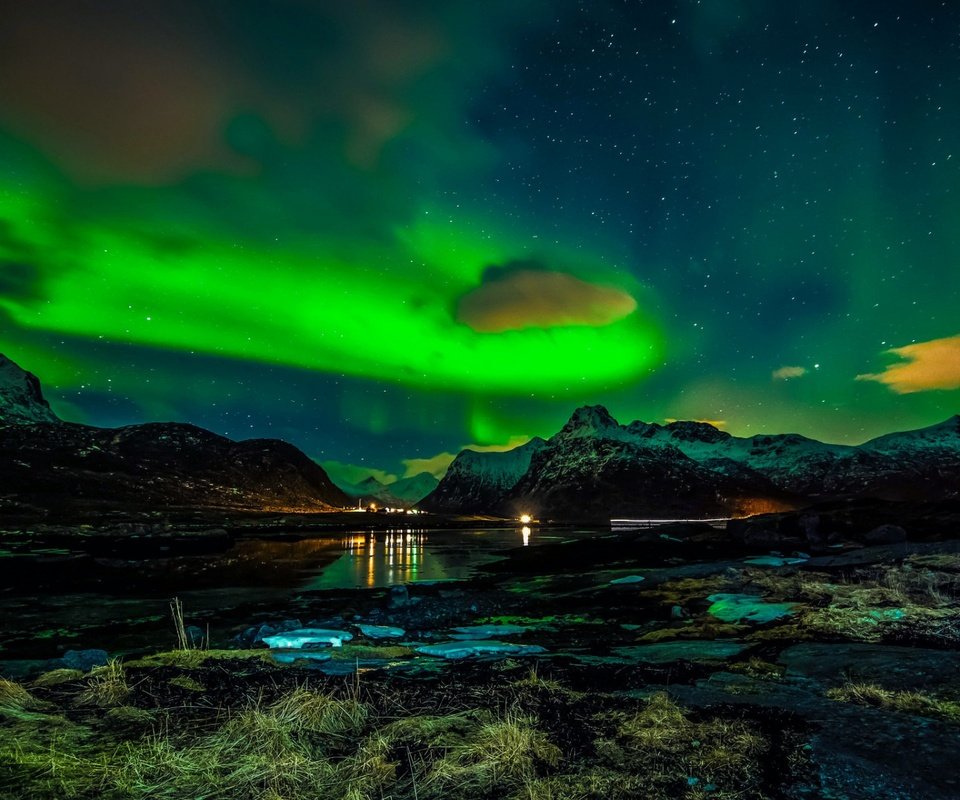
(626, 581)
(693, 650)
(678, 612)
(196, 637)
(302, 637)
(381, 631)
(398, 598)
(747, 608)
(886, 534)
(472, 648)
(84, 660)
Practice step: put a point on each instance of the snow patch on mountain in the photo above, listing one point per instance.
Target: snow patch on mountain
(21, 399)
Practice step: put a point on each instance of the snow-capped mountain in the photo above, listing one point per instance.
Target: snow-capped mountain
(21, 399)
(595, 467)
(64, 469)
(478, 481)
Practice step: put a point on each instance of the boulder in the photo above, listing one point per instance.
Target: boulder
(886, 534)
(84, 660)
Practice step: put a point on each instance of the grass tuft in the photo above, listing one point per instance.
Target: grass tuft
(106, 686)
(917, 703)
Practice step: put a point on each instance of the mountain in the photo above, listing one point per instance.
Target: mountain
(21, 399)
(404, 492)
(478, 481)
(413, 489)
(596, 468)
(53, 468)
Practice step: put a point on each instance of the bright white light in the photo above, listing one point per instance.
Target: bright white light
(526, 519)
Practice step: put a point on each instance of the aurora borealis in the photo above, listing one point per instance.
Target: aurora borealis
(386, 230)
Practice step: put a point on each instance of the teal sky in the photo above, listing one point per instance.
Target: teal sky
(387, 230)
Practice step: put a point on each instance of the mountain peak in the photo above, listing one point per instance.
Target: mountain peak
(691, 431)
(590, 418)
(21, 399)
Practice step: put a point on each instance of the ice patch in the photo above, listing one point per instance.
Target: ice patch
(292, 656)
(773, 561)
(381, 631)
(297, 639)
(486, 631)
(478, 647)
(747, 608)
(627, 580)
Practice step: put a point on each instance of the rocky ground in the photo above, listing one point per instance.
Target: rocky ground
(658, 664)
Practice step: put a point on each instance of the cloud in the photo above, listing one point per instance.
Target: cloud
(340, 472)
(719, 424)
(924, 366)
(114, 91)
(520, 297)
(786, 373)
(439, 464)
(436, 465)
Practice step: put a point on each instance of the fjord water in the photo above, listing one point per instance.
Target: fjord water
(63, 600)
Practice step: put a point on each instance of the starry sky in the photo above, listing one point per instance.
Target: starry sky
(388, 229)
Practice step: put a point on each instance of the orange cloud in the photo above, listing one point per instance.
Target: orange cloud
(530, 298)
(719, 424)
(439, 464)
(925, 366)
(436, 465)
(786, 373)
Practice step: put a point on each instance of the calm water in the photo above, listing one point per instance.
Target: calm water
(122, 605)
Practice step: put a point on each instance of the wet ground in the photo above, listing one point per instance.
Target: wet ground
(847, 660)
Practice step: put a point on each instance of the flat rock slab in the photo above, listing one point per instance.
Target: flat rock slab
(301, 637)
(747, 608)
(477, 648)
(667, 652)
(889, 666)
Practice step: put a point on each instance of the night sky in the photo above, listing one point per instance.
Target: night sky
(385, 230)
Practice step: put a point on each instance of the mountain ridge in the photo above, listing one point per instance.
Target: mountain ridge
(594, 466)
(48, 466)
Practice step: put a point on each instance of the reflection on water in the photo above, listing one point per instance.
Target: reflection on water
(55, 604)
(383, 559)
(390, 557)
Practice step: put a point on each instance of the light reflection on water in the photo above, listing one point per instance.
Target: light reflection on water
(123, 604)
(407, 556)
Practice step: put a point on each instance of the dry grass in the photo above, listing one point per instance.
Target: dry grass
(106, 686)
(862, 606)
(759, 669)
(917, 703)
(663, 742)
(340, 745)
(13, 696)
(306, 710)
(192, 659)
(499, 754)
(57, 677)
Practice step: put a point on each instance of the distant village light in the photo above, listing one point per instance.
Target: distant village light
(526, 519)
